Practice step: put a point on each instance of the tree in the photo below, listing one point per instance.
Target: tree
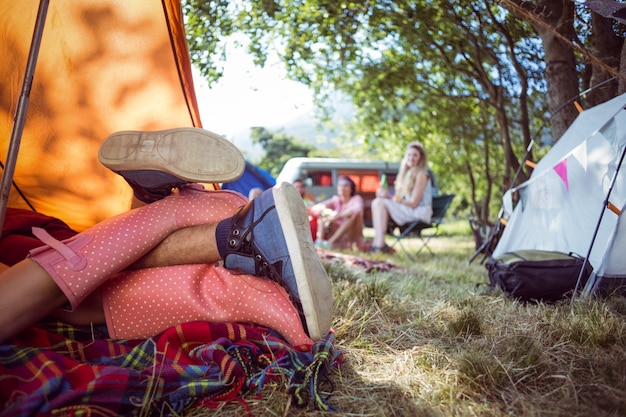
(473, 80)
(597, 42)
(279, 148)
(408, 65)
(205, 24)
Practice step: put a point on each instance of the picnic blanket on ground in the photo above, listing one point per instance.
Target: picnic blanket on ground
(55, 368)
(355, 261)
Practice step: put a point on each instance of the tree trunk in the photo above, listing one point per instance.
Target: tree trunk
(622, 64)
(605, 46)
(561, 75)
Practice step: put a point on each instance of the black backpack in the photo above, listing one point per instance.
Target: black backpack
(536, 275)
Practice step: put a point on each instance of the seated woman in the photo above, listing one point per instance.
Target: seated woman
(412, 199)
(340, 218)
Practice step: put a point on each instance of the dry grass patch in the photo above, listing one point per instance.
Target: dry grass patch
(430, 341)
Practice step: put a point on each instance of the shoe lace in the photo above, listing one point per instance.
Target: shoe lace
(261, 266)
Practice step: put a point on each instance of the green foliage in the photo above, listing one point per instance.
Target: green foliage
(206, 23)
(466, 79)
(278, 147)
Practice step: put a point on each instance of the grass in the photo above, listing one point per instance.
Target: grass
(428, 340)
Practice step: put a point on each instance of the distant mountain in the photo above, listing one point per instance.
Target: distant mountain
(305, 127)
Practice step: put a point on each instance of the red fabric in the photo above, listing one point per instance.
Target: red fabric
(313, 224)
(17, 238)
(57, 369)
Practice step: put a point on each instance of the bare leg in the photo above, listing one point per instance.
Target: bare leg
(355, 234)
(380, 221)
(348, 231)
(27, 294)
(90, 311)
(191, 245)
(321, 228)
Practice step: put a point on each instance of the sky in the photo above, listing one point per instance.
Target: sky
(248, 96)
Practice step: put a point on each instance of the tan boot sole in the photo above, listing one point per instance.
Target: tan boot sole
(314, 286)
(192, 154)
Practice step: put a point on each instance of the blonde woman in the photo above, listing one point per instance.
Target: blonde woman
(411, 201)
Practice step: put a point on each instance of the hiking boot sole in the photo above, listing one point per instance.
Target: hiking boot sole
(191, 154)
(314, 287)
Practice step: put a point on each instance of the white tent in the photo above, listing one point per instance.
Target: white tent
(564, 206)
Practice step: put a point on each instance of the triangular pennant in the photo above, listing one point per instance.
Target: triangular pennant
(561, 170)
(580, 153)
(507, 204)
(523, 196)
(609, 131)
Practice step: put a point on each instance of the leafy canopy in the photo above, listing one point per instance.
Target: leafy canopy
(463, 77)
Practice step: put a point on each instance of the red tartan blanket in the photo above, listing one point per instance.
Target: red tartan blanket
(79, 370)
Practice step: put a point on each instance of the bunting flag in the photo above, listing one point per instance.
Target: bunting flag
(580, 153)
(523, 195)
(561, 170)
(507, 203)
(609, 131)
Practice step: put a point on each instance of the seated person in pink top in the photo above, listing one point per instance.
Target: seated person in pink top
(340, 218)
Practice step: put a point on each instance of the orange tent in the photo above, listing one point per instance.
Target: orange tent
(103, 66)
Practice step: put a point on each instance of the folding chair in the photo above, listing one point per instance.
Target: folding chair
(414, 229)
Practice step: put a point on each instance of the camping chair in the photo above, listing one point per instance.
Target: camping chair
(488, 245)
(414, 229)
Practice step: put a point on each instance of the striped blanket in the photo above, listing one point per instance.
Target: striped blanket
(56, 368)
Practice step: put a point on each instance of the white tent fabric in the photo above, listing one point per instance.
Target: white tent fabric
(564, 199)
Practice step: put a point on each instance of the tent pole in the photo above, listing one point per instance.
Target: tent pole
(595, 233)
(494, 232)
(20, 114)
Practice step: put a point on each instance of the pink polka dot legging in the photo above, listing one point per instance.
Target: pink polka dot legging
(141, 303)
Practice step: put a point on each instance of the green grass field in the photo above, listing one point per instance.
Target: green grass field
(428, 340)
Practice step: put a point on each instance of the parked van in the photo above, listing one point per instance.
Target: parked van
(321, 174)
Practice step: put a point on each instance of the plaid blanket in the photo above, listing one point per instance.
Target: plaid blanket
(80, 371)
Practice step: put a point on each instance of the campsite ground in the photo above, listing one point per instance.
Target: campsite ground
(426, 339)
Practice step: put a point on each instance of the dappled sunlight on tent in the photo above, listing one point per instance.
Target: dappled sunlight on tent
(102, 67)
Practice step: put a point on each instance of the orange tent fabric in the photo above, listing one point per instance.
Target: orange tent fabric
(103, 66)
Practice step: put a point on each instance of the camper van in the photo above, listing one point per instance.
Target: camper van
(321, 174)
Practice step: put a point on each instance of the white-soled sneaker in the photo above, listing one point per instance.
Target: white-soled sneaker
(155, 162)
(270, 236)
